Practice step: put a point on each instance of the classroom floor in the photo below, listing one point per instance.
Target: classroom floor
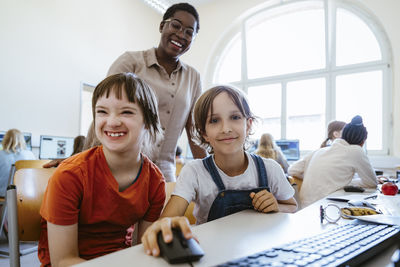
(29, 260)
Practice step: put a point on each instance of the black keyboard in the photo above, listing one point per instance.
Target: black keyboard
(347, 245)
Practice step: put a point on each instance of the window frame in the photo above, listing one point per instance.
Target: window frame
(329, 72)
(85, 117)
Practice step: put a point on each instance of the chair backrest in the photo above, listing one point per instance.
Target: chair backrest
(169, 188)
(296, 183)
(38, 163)
(178, 168)
(20, 164)
(31, 185)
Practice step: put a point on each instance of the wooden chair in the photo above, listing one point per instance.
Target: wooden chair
(20, 164)
(3, 204)
(296, 183)
(24, 199)
(178, 168)
(189, 211)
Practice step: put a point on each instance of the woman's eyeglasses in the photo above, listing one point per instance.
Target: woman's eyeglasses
(176, 26)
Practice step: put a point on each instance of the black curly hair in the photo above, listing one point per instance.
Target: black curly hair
(183, 7)
(355, 132)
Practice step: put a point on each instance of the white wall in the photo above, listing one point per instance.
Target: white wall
(49, 47)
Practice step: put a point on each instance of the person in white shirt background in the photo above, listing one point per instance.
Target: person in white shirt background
(329, 169)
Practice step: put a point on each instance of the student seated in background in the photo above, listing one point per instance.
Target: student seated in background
(335, 129)
(14, 149)
(223, 122)
(79, 142)
(329, 169)
(267, 148)
(91, 140)
(95, 196)
(178, 156)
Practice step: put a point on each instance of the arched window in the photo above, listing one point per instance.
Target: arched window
(305, 63)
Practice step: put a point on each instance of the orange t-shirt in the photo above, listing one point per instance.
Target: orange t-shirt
(84, 191)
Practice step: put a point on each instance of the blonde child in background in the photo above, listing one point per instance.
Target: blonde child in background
(94, 197)
(14, 149)
(267, 148)
(223, 122)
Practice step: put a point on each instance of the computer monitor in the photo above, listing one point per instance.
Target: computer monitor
(27, 136)
(2, 134)
(290, 148)
(28, 140)
(55, 147)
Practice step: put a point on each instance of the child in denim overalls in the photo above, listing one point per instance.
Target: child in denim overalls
(230, 179)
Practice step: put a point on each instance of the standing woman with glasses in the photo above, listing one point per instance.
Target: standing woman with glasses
(177, 85)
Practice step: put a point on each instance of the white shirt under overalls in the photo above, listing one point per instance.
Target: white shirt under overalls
(195, 184)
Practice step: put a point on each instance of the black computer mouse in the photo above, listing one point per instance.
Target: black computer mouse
(353, 188)
(180, 249)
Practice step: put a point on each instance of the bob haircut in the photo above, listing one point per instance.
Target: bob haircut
(204, 105)
(266, 147)
(138, 92)
(13, 141)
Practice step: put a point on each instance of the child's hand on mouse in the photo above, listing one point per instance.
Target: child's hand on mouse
(264, 201)
(149, 237)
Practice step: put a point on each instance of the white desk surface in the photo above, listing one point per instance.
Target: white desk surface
(239, 235)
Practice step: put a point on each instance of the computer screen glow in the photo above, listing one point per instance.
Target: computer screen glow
(55, 147)
(290, 148)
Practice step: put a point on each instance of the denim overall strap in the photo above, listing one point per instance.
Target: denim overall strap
(262, 172)
(231, 201)
(210, 166)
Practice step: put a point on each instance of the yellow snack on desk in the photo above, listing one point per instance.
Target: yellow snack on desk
(358, 211)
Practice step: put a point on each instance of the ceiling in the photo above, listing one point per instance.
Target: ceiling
(194, 3)
(161, 5)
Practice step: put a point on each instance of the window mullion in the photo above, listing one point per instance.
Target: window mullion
(244, 74)
(330, 36)
(284, 110)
